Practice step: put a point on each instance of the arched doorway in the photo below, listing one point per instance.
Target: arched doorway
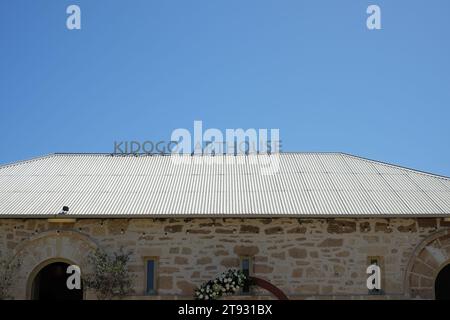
(428, 260)
(50, 283)
(442, 284)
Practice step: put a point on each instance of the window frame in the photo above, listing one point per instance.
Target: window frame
(155, 277)
(250, 271)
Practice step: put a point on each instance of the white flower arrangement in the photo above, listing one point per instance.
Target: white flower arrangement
(227, 283)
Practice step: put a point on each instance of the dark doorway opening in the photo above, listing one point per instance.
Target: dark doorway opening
(442, 284)
(51, 284)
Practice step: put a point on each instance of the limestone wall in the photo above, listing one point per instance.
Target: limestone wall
(306, 258)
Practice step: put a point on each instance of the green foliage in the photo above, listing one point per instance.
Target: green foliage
(110, 277)
(8, 269)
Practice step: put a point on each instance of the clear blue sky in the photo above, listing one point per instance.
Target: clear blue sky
(139, 69)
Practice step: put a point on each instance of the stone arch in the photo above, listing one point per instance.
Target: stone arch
(38, 268)
(277, 292)
(427, 260)
(45, 248)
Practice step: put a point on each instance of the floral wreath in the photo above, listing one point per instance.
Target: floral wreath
(227, 283)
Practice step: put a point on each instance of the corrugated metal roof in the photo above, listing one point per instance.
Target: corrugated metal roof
(303, 184)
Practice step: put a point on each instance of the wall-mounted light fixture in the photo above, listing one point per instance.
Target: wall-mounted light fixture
(65, 210)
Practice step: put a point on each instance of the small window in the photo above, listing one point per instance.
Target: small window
(150, 268)
(246, 264)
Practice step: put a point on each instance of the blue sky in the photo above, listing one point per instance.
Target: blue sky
(139, 69)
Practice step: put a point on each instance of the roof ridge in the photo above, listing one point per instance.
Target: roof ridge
(168, 154)
(32, 159)
(396, 166)
(407, 169)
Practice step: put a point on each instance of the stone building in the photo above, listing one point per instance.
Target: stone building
(311, 225)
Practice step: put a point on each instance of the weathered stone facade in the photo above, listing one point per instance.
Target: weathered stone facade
(306, 258)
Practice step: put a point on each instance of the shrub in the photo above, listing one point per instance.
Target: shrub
(8, 267)
(110, 277)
